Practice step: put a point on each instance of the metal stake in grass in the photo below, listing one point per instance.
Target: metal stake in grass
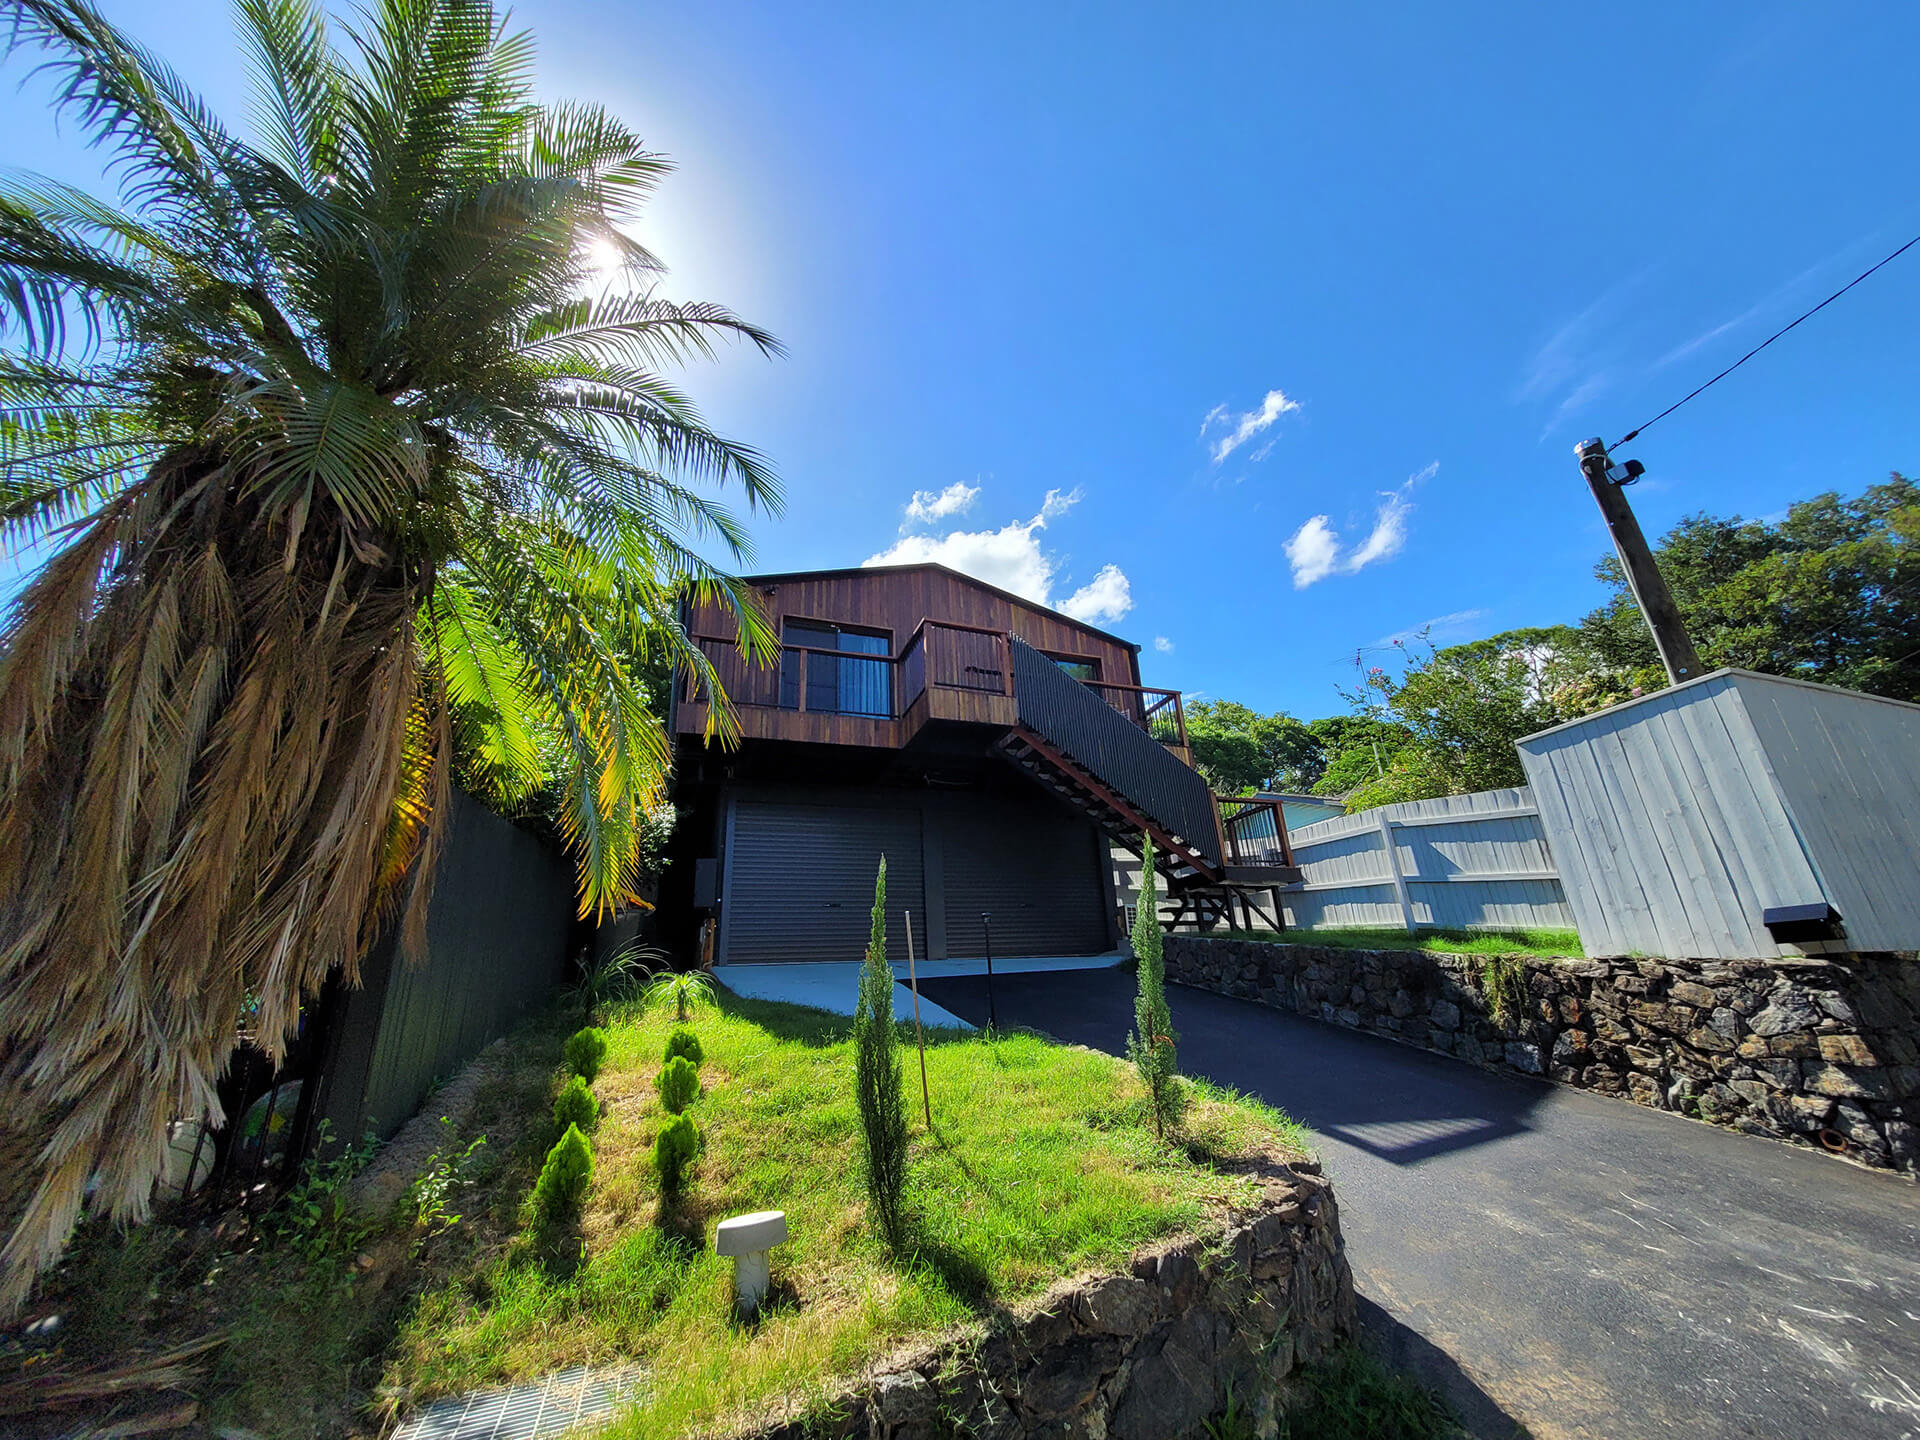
(919, 1035)
(993, 1016)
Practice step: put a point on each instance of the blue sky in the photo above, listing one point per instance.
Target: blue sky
(1260, 335)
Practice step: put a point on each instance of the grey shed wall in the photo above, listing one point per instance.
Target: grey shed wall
(497, 930)
(1675, 820)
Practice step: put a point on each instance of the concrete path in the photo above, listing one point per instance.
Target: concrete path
(833, 986)
(1579, 1265)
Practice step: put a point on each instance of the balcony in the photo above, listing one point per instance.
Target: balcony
(945, 671)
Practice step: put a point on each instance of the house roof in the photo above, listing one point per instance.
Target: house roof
(973, 580)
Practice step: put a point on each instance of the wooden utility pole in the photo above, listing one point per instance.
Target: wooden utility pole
(1644, 581)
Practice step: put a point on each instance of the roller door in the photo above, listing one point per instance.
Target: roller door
(1037, 871)
(799, 881)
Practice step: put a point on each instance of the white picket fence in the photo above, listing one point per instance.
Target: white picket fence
(1461, 862)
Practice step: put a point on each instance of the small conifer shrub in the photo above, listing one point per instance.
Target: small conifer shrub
(678, 1083)
(876, 1048)
(563, 1178)
(576, 1106)
(673, 1152)
(684, 1042)
(586, 1051)
(1151, 1045)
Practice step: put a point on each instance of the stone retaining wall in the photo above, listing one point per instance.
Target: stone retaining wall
(1146, 1354)
(1813, 1051)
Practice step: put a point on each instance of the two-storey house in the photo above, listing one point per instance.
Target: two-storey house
(994, 750)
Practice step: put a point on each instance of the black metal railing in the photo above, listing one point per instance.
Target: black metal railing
(1114, 749)
(1255, 831)
(1158, 712)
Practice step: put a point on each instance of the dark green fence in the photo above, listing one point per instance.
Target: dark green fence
(497, 935)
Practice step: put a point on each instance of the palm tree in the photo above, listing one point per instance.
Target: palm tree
(360, 477)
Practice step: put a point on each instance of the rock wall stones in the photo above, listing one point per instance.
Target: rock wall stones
(1813, 1051)
(1145, 1354)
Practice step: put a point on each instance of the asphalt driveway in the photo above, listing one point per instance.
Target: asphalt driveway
(1579, 1265)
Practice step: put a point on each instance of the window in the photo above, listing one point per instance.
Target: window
(1085, 671)
(858, 680)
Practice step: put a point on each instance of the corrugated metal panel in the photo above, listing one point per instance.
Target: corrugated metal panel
(1039, 878)
(1848, 766)
(497, 931)
(1668, 828)
(799, 880)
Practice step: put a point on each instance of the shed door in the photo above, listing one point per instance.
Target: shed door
(799, 882)
(1036, 871)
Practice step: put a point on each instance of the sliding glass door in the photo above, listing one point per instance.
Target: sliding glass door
(857, 679)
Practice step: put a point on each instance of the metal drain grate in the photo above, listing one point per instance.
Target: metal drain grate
(549, 1406)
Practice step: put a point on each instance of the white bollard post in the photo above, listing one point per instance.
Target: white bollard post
(748, 1238)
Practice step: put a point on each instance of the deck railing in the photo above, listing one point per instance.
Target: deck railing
(1255, 831)
(939, 655)
(1158, 712)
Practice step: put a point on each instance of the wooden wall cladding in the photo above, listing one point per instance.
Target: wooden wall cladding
(898, 599)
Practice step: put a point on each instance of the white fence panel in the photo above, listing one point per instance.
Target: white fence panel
(1459, 862)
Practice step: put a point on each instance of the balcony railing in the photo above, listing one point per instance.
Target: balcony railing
(939, 655)
(1255, 831)
(1158, 712)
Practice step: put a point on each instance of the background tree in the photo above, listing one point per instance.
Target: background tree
(1354, 750)
(1829, 593)
(1460, 710)
(354, 438)
(877, 1077)
(1240, 750)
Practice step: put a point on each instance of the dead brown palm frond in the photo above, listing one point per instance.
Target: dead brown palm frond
(352, 493)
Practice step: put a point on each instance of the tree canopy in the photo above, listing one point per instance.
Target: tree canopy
(353, 440)
(1829, 592)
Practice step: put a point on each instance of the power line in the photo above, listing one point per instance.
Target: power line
(1768, 341)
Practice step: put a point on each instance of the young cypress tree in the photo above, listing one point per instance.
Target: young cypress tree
(1151, 1045)
(876, 1047)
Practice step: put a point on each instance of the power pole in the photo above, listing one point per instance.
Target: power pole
(1644, 581)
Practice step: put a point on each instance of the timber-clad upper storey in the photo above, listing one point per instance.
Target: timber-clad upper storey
(869, 655)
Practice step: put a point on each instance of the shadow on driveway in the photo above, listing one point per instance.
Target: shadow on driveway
(1584, 1265)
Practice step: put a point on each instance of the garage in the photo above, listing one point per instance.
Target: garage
(797, 882)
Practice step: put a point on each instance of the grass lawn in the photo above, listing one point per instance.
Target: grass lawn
(1547, 944)
(1041, 1162)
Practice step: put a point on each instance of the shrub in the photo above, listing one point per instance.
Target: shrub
(1151, 1046)
(585, 1051)
(678, 1083)
(876, 1044)
(684, 1042)
(683, 991)
(673, 1151)
(576, 1106)
(563, 1178)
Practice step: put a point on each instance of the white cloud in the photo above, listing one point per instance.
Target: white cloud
(1315, 550)
(1440, 627)
(1013, 558)
(1106, 597)
(1163, 644)
(928, 506)
(1243, 428)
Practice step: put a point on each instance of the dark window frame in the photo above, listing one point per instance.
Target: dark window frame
(829, 690)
